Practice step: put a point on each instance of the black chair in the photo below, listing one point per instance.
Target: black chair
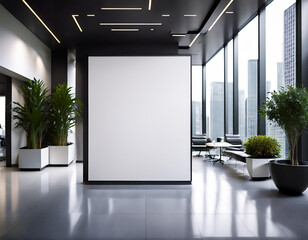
(198, 144)
(234, 139)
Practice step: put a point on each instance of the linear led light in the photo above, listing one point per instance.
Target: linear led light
(150, 4)
(192, 42)
(178, 35)
(124, 29)
(90, 15)
(222, 12)
(165, 15)
(190, 15)
(74, 17)
(116, 9)
(130, 24)
(54, 36)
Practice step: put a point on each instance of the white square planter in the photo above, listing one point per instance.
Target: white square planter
(258, 167)
(61, 155)
(35, 159)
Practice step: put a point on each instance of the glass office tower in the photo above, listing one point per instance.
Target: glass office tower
(280, 56)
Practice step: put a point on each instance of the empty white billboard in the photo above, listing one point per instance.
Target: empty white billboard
(139, 125)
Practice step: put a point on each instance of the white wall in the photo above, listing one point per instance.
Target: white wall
(21, 52)
(139, 118)
(18, 135)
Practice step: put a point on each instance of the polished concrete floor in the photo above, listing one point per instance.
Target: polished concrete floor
(221, 203)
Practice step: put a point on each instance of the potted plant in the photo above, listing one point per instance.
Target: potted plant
(64, 108)
(261, 149)
(288, 108)
(32, 117)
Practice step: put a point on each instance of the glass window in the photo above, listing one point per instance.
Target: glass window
(196, 100)
(280, 56)
(248, 79)
(229, 92)
(215, 96)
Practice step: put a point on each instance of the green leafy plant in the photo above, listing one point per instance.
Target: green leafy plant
(263, 147)
(64, 108)
(32, 115)
(288, 108)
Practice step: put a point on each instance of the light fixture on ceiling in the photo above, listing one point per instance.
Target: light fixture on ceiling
(229, 12)
(90, 15)
(54, 36)
(190, 15)
(124, 29)
(178, 35)
(74, 17)
(130, 24)
(150, 4)
(165, 15)
(222, 12)
(122, 9)
(152, 29)
(192, 42)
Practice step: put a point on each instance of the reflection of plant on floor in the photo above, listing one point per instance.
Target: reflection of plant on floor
(64, 108)
(32, 115)
(263, 147)
(288, 108)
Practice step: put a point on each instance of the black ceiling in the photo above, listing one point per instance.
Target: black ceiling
(57, 15)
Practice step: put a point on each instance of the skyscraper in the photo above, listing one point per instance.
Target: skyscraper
(290, 45)
(242, 115)
(229, 105)
(271, 128)
(289, 52)
(252, 103)
(280, 79)
(197, 117)
(217, 110)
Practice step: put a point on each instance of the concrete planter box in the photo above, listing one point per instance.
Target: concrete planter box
(33, 159)
(61, 155)
(258, 167)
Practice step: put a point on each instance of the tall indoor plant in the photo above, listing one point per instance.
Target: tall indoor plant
(32, 117)
(288, 108)
(64, 108)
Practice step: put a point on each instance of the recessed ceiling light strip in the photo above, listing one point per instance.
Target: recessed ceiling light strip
(41, 21)
(190, 15)
(150, 4)
(165, 15)
(90, 15)
(124, 29)
(222, 12)
(178, 35)
(121, 9)
(74, 17)
(130, 24)
(192, 42)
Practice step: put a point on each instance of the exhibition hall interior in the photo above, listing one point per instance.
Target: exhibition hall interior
(153, 119)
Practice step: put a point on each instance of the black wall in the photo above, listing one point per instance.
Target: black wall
(6, 90)
(58, 67)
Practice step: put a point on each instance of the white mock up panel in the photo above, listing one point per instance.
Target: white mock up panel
(139, 118)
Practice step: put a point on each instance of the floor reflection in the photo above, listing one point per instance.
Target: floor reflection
(222, 202)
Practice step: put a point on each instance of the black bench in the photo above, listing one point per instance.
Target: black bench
(237, 155)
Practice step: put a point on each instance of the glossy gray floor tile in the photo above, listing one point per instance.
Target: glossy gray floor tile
(221, 203)
(173, 226)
